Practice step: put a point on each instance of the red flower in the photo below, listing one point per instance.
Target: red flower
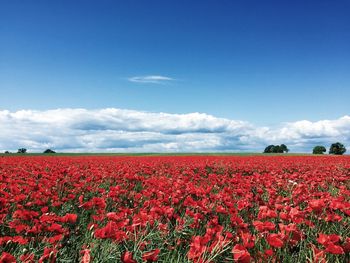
(319, 256)
(274, 240)
(49, 254)
(334, 238)
(55, 239)
(197, 248)
(111, 230)
(328, 239)
(290, 233)
(55, 228)
(334, 249)
(346, 245)
(240, 254)
(264, 226)
(127, 258)
(268, 252)
(69, 218)
(7, 258)
(248, 239)
(27, 258)
(322, 239)
(151, 256)
(317, 205)
(265, 212)
(86, 256)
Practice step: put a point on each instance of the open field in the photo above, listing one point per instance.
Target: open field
(163, 154)
(232, 208)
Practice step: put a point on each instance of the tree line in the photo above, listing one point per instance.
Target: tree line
(335, 148)
(24, 150)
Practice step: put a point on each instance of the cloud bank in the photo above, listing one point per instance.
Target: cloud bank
(119, 130)
(150, 79)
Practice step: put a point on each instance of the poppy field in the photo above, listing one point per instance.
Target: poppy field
(175, 209)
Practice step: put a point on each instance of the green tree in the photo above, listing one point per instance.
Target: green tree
(284, 148)
(276, 149)
(319, 149)
(22, 150)
(269, 149)
(49, 151)
(337, 148)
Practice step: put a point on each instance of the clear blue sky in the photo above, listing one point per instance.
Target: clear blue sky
(264, 62)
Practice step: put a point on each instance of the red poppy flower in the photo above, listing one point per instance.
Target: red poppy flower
(274, 240)
(328, 239)
(49, 254)
(27, 258)
(197, 247)
(268, 252)
(317, 205)
(264, 226)
(334, 249)
(319, 256)
(55, 239)
(128, 258)
(86, 256)
(7, 258)
(69, 218)
(151, 256)
(322, 239)
(346, 245)
(248, 239)
(240, 254)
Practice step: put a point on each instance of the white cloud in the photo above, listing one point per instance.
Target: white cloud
(150, 79)
(118, 130)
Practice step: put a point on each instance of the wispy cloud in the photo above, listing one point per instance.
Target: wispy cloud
(151, 79)
(119, 130)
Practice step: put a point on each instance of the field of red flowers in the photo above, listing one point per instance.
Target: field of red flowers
(175, 209)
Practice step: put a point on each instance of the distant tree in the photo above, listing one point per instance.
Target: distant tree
(337, 148)
(284, 148)
(49, 151)
(276, 149)
(269, 149)
(7, 152)
(22, 150)
(319, 149)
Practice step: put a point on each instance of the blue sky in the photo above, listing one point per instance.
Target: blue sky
(263, 62)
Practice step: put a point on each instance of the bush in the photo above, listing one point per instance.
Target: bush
(49, 151)
(319, 149)
(276, 149)
(269, 149)
(337, 148)
(284, 148)
(22, 150)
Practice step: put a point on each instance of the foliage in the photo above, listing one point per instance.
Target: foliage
(319, 149)
(276, 149)
(337, 148)
(49, 151)
(22, 150)
(284, 148)
(174, 209)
